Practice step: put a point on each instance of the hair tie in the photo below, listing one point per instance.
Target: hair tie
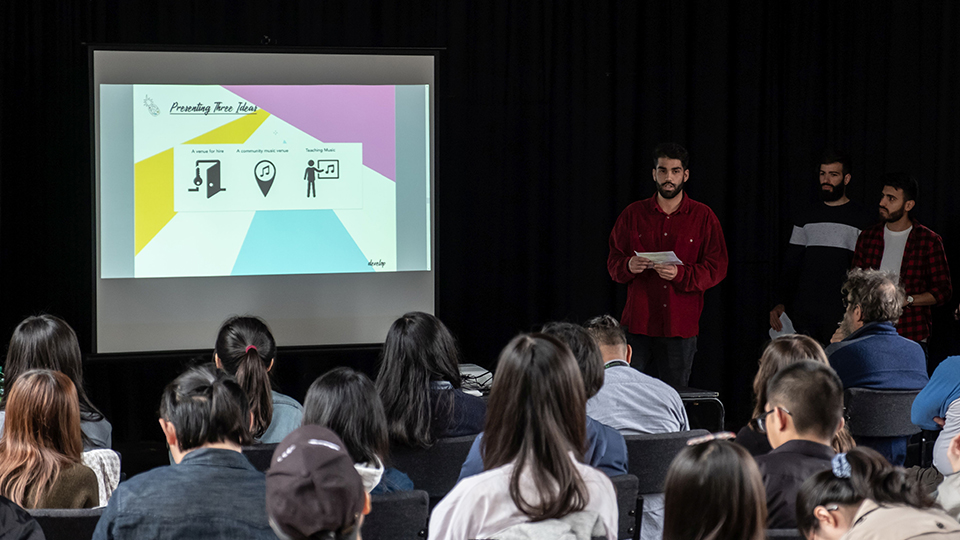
(841, 467)
(254, 347)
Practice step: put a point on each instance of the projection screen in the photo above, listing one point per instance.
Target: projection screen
(294, 185)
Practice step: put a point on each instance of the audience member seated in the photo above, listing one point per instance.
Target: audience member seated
(863, 497)
(419, 384)
(48, 342)
(778, 354)
(346, 402)
(212, 491)
(871, 354)
(633, 403)
(948, 492)
(40, 465)
(246, 350)
(606, 448)
(937, 406)
(630, 401)
(17, 524)
(713, 490)
(804, 411)
(313, 489)
(533, 449)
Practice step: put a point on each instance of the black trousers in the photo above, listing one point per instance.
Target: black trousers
(668, 358)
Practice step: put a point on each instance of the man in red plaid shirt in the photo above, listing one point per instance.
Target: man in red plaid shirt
(901, 245)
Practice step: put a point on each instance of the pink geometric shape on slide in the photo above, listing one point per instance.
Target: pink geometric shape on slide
(337, 113)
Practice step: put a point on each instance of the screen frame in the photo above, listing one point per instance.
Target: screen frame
(434, 148)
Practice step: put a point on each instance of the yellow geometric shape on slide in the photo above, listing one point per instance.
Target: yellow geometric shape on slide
(153, 197)
(236, 132)
(153, 177)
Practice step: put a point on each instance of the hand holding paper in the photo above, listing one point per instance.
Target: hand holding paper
(660, 257)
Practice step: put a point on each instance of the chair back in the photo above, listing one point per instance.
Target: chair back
(627, 495)
(649, 456)
(402, 516)
(879, 413)
(60, 524)
(260, 455)
(435, 469)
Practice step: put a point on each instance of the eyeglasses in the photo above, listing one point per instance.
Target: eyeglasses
(760, 422)
(847, 303)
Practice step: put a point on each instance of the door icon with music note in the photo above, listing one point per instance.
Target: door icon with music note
(265, 173)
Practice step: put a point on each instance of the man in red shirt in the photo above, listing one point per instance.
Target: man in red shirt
(664, 301)
(901, 245)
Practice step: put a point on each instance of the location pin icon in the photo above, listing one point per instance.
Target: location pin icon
(265, 172)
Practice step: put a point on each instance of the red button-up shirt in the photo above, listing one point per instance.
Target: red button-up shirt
(923, 269)
(657, 307)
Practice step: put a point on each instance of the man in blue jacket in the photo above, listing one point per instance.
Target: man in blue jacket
(867, 352)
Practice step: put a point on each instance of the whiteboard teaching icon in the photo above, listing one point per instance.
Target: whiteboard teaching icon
(328, 169)
(265, 172)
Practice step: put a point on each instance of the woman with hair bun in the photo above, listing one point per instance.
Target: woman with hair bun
(864, 497)
(246, 350)
(714, 491)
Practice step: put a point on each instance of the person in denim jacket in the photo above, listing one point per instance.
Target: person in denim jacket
(212, 491)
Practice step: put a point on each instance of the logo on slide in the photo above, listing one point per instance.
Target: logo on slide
(151, 106)
(265, 172)
(207, 170)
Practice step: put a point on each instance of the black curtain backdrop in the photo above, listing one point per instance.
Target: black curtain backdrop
(548, 112)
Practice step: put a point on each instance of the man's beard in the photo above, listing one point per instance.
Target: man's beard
(893, 216)
(846, 325)
(676, 190)
(834, 194)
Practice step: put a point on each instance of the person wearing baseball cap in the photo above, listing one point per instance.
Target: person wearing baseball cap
(313, 489)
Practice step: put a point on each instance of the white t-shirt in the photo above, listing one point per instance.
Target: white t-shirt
(480, 506)
(893, 245)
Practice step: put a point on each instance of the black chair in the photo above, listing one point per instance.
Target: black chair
(627, 498)
(402, 515)
(59, 524)
(649, 457)
(435, 469)
(783, 533)
(260, 455)
(879, 413)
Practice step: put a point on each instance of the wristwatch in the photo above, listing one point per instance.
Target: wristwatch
(909, 300)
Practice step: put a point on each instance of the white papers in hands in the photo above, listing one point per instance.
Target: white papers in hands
(787, 327)
(661, 257)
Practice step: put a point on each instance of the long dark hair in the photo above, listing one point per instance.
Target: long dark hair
(47, 342)
(246, 350)
(714, 491)
(418, 350)
(206, 405)
(536, 417)
(41, 435)
(346, 402)
(871, 477)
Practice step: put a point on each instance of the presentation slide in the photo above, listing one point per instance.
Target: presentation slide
(294, 185)
(262, 180)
